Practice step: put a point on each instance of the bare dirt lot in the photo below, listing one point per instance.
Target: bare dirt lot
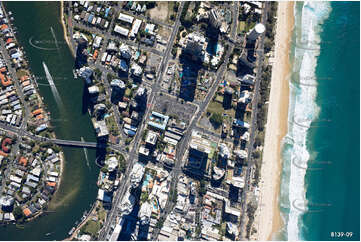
(160, 12)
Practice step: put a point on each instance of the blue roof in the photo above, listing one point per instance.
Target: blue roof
(123, 65)
(91, 16)
(129, 132)
(15, 55)
(41, 127)
(107, 12)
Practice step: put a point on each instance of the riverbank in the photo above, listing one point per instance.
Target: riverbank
(23, 74)
(270, 220)
(63, 23)
(75, 193)
(62, 161)
(90, 215)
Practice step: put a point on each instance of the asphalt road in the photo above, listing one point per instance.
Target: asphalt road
(183, 144)
(260, 59)
(19, 91)
(104, 233)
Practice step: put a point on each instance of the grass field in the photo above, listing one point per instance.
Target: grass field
(244, 27)
(21, 72)
(91, 227)
(171, 11)
(216, 107)
(127, 93)
(241, 26)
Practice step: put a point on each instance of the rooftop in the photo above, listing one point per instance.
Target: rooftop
(158, 120)
(151, 138)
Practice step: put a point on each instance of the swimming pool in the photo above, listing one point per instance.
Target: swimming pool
(146, 180)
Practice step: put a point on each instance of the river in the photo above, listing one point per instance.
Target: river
(40, 23)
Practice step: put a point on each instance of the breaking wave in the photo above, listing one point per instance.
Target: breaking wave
(309, 17)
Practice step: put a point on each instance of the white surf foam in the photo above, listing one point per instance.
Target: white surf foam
(302, 108)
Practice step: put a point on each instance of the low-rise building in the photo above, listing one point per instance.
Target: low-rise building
(121, 30)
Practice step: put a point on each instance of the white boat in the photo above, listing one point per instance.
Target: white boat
(75, 74)
(71, 231)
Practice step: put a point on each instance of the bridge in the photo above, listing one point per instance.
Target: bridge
(61, 142)
(75, 143)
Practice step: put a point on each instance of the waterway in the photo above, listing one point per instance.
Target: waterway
(40, 22)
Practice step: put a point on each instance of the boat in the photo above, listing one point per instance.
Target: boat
(71, 231)
(75, 74)
(47, 234)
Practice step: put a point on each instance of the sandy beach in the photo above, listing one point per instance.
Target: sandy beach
(62, 20)
(269, 218)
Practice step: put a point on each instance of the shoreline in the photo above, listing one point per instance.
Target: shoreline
(65, 28)
(62, 161)
(269, 216)
(27, 68)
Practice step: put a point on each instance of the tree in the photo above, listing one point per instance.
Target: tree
(174, 51)
(144, 197)
(128, 140)
(216, 119)
(202, 188)
(150, 4)
(122, 166)
(267, 45)
(18, 214)
(110, 77)
(104, 169)
(203, 26)
(175, 7)
(184, 34)
(256, 154)
(160, 223)
(98, 73)
(259, 139)
(142, 33)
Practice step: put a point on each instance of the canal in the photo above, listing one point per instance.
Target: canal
(39, 31)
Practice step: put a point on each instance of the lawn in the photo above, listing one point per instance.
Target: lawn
(91, 227)
(102, 213)
(215, 107)
(112, 125)
(171, 11)
(228, 115)
(250, 26)
(242, 26)
(128, 92)
(219, 98)
(21, 72)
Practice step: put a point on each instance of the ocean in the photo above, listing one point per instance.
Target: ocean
(320, 183)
